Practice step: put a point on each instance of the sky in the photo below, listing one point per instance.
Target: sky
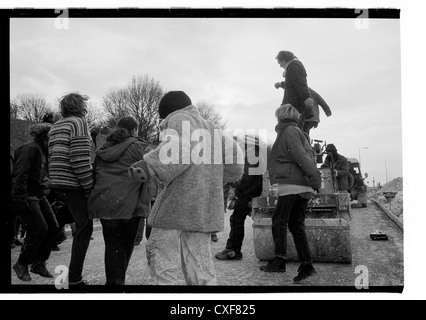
(355, 65)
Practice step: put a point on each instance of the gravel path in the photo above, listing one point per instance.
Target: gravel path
(384, 260)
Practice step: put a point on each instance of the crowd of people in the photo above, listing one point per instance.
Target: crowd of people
(180, 204)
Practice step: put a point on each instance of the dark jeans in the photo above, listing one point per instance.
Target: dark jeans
(77, 204)
(41, 228)
(119, 237)
(290, 211)
(238, 217)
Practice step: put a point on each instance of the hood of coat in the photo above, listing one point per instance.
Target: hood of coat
(112, 151)
(284, 124)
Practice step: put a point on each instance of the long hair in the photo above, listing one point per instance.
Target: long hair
(73, 104)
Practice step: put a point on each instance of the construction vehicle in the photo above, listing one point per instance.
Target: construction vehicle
(327, 216)
(358, 189)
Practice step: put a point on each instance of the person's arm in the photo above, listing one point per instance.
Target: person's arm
(321, 102)
(301, 157)
(22, 169)
(80, 156)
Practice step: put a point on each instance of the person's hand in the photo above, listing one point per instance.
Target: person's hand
(335, 172)
(277, 85)
(309, 102)
(138, 174)
(328, 114)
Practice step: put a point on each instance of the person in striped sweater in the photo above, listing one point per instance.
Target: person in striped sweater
(70, 173)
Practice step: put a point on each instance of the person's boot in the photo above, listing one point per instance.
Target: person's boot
(268, 264)
(305, 271)
(22, 271)
(277, 265)
(40, 268)
(229, 254)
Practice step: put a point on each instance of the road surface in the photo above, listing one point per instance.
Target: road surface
(382, 259)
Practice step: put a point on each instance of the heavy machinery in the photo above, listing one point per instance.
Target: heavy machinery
(327, 217)
(358, 189)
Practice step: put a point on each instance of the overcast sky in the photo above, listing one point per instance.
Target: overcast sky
(230, 64)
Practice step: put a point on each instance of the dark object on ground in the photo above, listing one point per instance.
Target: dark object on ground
(378, 235)
(214, 237)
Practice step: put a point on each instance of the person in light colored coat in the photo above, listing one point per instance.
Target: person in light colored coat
(189, 205)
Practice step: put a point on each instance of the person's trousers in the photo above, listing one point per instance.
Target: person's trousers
(290, 212)
(119, 236)
(77, 204)
(41, 231)
(237, 220)
(166, 247)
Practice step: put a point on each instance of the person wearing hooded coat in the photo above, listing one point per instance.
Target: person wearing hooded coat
(294, 170)
(119, 202)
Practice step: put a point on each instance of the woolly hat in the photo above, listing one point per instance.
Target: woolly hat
(287, 111)
(40, 129)
(331, 148)
(173, 101)
(128, 123)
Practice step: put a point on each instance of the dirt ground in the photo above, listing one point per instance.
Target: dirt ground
(382, 259)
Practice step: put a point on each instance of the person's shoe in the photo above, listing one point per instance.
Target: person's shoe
(214, 237)
(22, 271)
(228, 254)
(268, 264)
(40, 269)
(277, 265)
(305, 271)
(17, 242)
(56, 248)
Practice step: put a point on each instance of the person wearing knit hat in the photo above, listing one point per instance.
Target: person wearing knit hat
(171, 102)
(189, 204)
(293, 168)
(30, 186)
(339, 166)
(119, 202)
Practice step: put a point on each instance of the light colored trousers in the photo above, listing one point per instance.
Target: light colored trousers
(166, 247)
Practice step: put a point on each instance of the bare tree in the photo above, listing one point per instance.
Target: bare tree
(139, 99)
(31, 107)
(95, 117)
(209, 113)
(13, 109)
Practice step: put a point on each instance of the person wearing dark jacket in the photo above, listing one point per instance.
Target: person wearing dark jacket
(313, 121)
(118, 201)
(339, 166)
(30, 185)
(296, 91)
(247, 188)
(294, 170)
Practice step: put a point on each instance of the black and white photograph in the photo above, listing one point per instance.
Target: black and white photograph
(234, 150)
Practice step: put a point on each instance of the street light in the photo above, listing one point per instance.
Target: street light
(359, 154)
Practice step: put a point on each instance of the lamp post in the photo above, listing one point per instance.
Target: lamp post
(359, 154)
